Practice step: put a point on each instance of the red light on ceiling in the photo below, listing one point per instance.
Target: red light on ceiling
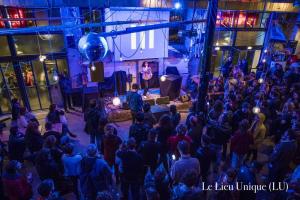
(2, 25)
(16, 13)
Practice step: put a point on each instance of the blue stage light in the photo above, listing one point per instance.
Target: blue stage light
(177, 5)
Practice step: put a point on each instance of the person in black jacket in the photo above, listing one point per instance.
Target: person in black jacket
(33, 138)
(241, 114)
(66, 90)
(53, 115)
(164, 131)
(139, 130)
(92, 118)
(15, 109)
(131, 170)
(16, 145)
(175, 116)
(205, 157)
(219, 132)
(150, 151)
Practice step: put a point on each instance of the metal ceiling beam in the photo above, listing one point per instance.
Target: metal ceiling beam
(62, 27)
(104, 34)
(150, 27)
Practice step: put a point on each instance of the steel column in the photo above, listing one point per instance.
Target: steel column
(205, 62)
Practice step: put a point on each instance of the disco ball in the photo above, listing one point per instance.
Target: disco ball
(93, 47)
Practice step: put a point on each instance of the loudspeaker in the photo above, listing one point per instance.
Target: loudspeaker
(163, 100)
(170, 87)
(184, 98)
(150, 101)
(98, 74)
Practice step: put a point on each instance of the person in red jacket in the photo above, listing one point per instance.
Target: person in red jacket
(16, 186)
(240, 143)
(172, 142)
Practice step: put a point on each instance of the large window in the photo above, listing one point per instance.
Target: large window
(241, 19)
(39, 44)
(250, 38)
(4, 49)
(223, 38)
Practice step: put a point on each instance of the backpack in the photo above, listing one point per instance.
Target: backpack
(139, 133)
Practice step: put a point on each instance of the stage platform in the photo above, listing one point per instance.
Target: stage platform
(118, 114)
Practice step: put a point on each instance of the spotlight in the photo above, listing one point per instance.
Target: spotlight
(173, 157)
(55, 77)
(93, 68)
(217, 48)
(121, 58)
(264, 60)
(186, 59)
(260, 80)
(249, 47)
(163, 78)
(266, 51)
(42, 58)
(217, 43)
(177, 5)
(256, 110)
(116, 101)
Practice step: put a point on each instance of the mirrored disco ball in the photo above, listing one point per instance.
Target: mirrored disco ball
(93, 47)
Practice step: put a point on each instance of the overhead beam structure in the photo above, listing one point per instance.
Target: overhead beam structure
(47, 29)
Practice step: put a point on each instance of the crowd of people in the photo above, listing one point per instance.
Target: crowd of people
(249, 135)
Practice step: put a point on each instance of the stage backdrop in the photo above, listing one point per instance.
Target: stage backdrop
(154, 43)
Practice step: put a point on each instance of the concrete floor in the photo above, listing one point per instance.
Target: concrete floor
(76, 125)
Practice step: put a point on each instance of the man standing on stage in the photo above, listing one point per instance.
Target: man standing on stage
(135, 101)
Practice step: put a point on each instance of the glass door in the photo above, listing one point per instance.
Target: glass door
(41, 83)
(53, 81)
(5, 106)
(9, 87)
(31, 85)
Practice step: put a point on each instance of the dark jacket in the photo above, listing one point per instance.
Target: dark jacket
(131, 164)
(219, 133)
(175, 118)
(139, 132)
(283, 154)
(47, 165)
(53, 117)
(135, 101)
(149, 119)
(34, 141)
(238, 116)
(16, 147)
(65, 84)
(95, 176)
(150, 151)
(205, 156)
(91, 118)
(163, 134)
(110, 145)
(15, 111)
